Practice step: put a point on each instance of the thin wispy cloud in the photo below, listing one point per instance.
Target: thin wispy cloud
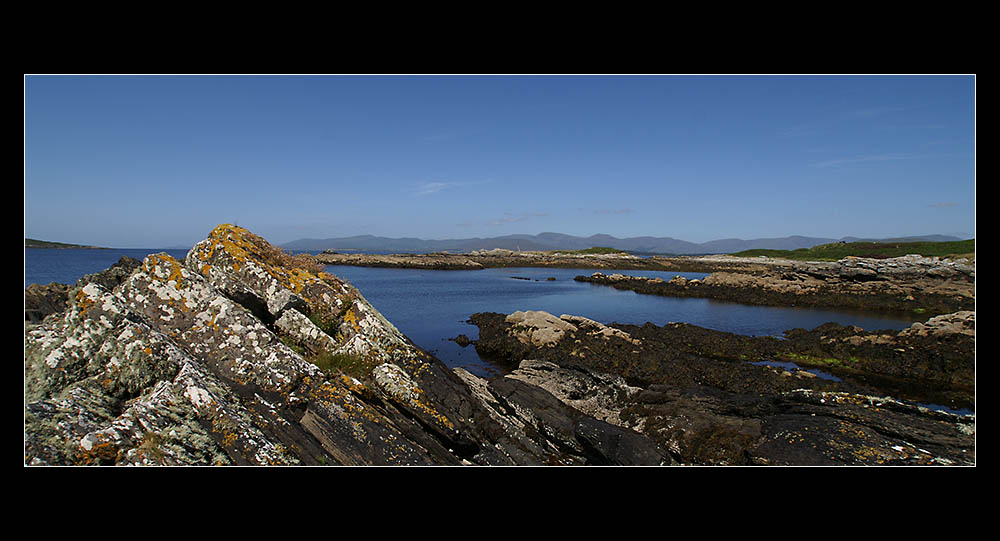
(428, 188)
(609, 211)
(871, 112)
(838, 118)
(870, 158)
(508, 218)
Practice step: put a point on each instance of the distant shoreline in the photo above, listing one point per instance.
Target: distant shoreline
(34, 243)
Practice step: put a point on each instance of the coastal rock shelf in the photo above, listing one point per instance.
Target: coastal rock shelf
(910, 284)
(497, 258)
(241, 354)
(711, 397)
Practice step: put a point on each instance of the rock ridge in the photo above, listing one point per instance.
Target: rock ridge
(910, 284)
(241, 355)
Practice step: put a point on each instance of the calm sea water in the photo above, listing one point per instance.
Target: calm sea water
(431, 306)
(66, 266)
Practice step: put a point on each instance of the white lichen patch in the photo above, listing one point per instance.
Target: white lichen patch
(53, 358)
(198, 396)
(396, 382)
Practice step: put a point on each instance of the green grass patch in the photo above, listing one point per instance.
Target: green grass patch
(876, 250)
(331, 364)
(594, 250)
(821, 362)
(341, 363)
(294, 346)
(327, 323)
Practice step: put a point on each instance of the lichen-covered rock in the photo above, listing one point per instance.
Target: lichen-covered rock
(236, 355)
(285, 300)
(113, 275)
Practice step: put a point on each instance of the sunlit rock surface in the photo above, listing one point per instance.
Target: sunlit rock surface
(241, 354)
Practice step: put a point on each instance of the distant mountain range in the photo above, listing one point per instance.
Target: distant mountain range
(559, 241)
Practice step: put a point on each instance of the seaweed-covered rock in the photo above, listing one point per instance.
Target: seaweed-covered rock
(707, 398)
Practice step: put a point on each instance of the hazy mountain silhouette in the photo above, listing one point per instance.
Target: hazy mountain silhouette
(560, 241)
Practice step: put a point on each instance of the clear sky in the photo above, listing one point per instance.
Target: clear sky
(158, 161)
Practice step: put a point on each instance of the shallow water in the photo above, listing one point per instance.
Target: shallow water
(431, 306)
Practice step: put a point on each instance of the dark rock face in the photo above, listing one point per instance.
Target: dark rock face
(113, 275)
(696, 393)
(41, 301)
(233, 357)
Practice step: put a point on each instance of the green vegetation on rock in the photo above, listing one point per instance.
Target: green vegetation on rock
(594, 250)
(876, 250)
(340, 363)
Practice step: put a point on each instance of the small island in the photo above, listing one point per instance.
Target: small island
(35, 243)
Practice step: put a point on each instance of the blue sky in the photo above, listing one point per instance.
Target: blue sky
(158, 161)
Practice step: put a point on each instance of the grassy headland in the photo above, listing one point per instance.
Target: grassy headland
(876, 250)
(34, 243)
(594, 250)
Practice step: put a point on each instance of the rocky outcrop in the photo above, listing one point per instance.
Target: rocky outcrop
(41, 301)
(709, 397)
(910, 284)
(237, 356)
(483, 259)
(909, 266)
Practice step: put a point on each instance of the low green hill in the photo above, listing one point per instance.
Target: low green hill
(600, 250)
(875, 250)
(35, 243)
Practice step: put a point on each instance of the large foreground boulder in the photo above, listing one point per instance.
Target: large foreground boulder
(242, 354)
